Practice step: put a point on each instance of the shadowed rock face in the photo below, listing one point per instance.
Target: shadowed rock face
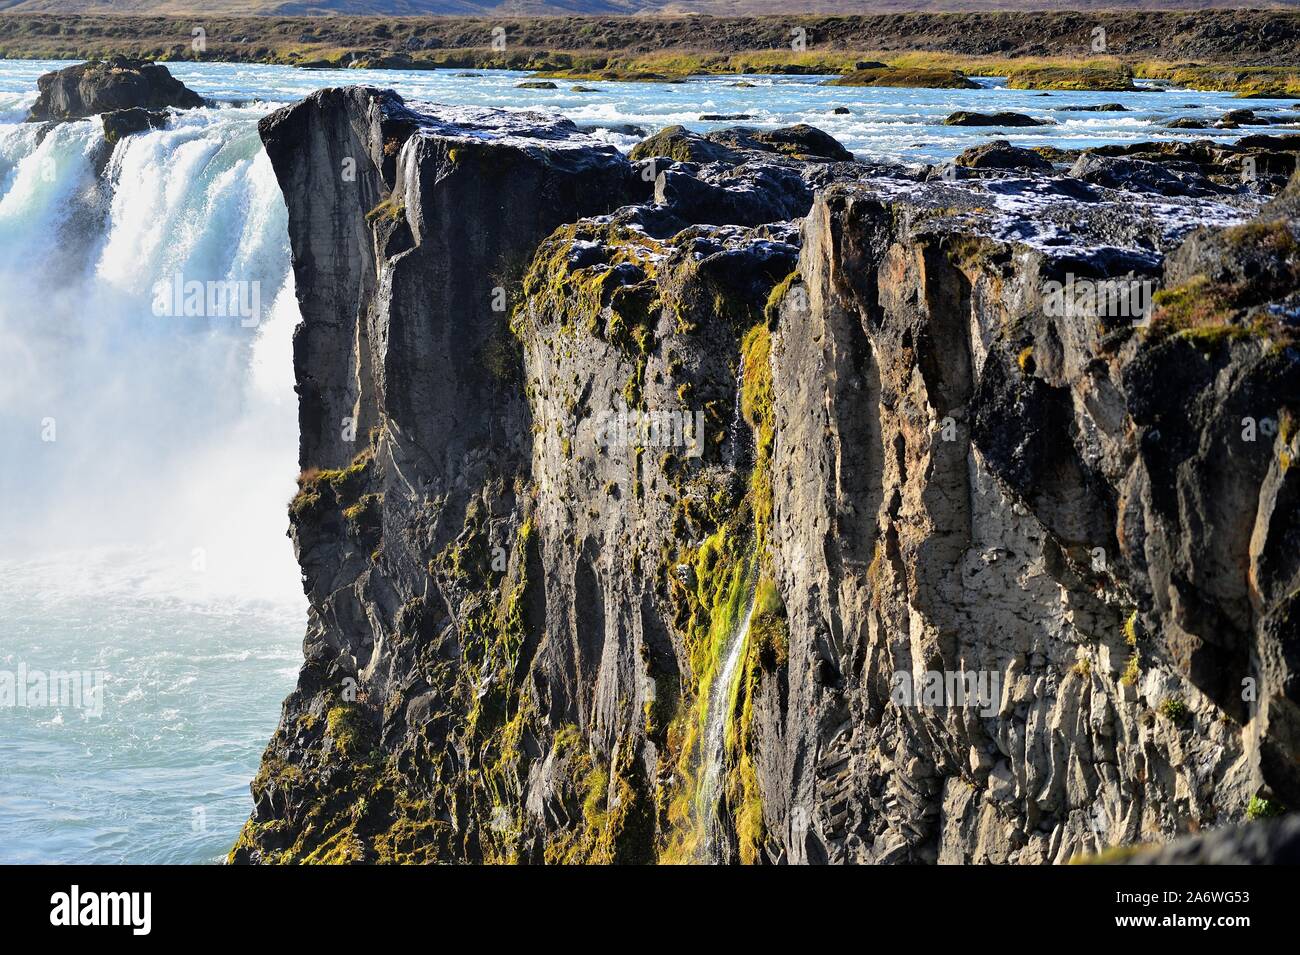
(566, 418)
(1271, 843)
(101, 87)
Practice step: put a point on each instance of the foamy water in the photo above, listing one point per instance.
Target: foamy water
(191, 692)
(149, 460)
(149, 457)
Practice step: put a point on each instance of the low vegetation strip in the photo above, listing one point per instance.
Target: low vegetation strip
(1255, 37)
(1252, 52)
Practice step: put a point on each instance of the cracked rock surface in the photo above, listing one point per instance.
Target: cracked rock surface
(575, 427)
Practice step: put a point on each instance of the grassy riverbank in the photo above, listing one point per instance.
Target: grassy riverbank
(1249, 52)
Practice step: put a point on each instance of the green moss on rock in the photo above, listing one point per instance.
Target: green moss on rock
(908, 77)
(1261, 808)
(1071, 78)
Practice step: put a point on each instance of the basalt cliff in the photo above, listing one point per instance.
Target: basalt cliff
(737, 501)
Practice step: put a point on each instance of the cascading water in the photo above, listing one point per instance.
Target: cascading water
(739, 440)
(101, 394)
(149, 456)
(721, 702)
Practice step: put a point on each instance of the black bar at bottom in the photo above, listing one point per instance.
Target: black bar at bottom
(217, 904)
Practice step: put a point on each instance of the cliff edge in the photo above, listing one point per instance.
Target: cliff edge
(742, 502)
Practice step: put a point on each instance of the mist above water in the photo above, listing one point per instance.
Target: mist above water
(148, 461)
(174, 434)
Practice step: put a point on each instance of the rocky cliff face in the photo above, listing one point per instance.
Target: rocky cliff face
(971, 485)
(739, 502)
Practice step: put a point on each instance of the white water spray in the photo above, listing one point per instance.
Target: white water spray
(175, 436)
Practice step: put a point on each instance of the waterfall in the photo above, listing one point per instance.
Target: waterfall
(721, 703)
(129, 424)
(738, 437)
(148, 461)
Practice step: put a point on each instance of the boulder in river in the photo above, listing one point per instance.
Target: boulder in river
(101, 86)
(1071, 78)
(1000, 154)
(681, 145)
(906, 76)
(965, 118)
(1097, 108)
(622, 129)
(124, 122)
(1234, 118)
(800, 141)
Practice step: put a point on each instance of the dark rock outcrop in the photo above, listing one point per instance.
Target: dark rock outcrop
(748, 196)
(1140, 175)
(104, 86)
(1260, 843)
(1098, 108)
(801, 141)
(1260, 163)
(966, 118)
(124, 122)
(1000, 154)
(889, 441)
(741, 176)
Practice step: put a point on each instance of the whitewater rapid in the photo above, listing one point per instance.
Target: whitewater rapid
(132, 426)
(148, 462)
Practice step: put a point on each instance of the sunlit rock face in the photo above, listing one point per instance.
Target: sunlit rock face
(741, 502)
